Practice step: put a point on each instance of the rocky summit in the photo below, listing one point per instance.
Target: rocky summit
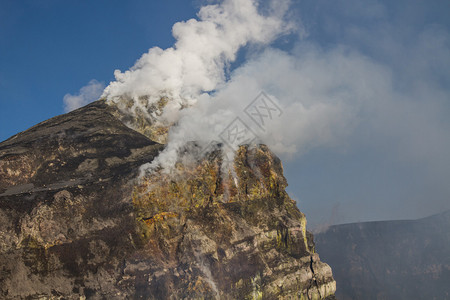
(77, 221)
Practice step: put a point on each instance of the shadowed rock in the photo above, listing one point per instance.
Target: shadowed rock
(390, 259)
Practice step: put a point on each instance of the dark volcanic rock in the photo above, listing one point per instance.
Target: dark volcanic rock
(390, 259)
(75, 222)
(65, 213)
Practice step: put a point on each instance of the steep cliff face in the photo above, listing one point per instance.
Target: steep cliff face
(77, 222)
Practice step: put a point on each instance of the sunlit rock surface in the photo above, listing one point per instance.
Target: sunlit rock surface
(76, 222)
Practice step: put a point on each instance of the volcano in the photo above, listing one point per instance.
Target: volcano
(78, 222)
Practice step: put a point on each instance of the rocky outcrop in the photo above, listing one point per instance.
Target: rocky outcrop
(77, 223)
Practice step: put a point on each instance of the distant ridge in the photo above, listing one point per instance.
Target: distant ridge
(406, 259)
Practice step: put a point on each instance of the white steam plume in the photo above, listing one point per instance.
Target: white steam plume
(202, 50)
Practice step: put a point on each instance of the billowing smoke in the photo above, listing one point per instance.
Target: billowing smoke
(203, 49)
(309, 103)
(196, 66)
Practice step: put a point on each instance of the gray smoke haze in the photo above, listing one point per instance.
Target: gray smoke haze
(395, 162)
(364, 92)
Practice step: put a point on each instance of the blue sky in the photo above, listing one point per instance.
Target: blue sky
(50, 48)
(388, 161)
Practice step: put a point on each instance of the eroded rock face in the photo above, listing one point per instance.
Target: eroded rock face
(76, 222)
(232, 234)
